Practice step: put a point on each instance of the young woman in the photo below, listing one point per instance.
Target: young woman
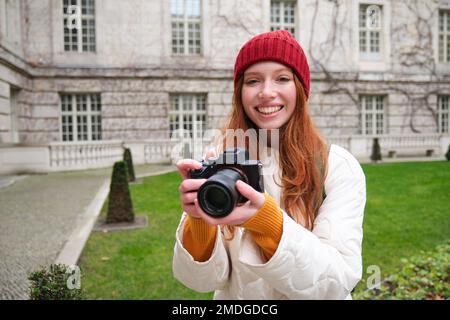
(301, 239)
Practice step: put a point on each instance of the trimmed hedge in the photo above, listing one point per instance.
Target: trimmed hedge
(55, 283)
(127, 157)
(376, 151)
(120, 207)
(422, 277)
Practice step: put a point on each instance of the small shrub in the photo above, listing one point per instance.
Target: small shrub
(128, 159)
(376, 151)
(447, 155)
(120, 207)
(422, 277)
(55, 283)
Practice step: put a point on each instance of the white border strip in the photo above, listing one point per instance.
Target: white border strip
(72, 249)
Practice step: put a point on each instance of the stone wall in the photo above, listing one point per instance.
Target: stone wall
(138, 109)
(134, 71)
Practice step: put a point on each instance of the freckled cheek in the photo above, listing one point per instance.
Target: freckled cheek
(248, 100)
(291, 95)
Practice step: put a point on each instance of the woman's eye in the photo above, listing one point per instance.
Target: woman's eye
(284, 79)
(251, 81)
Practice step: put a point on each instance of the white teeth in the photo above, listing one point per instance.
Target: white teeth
(268, 110)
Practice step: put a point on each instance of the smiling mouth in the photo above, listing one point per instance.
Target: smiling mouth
(269, 110)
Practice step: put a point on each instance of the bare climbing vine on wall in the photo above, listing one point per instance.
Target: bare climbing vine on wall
(412, 52)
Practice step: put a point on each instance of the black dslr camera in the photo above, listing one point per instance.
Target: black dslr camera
(218, 196)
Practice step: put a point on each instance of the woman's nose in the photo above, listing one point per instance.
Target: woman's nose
(267, 91)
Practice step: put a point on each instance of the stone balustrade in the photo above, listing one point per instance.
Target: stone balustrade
(391, 145)
(343, 141)
(166, 150)
(85, 154)
(65, 156)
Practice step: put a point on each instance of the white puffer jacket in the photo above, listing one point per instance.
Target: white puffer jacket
(323, 264)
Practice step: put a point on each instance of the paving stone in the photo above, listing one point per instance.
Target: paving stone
(37, 215)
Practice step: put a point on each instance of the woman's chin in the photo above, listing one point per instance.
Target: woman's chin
(269, 125)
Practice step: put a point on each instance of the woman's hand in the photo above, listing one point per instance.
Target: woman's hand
(188, 187)
(241, 213)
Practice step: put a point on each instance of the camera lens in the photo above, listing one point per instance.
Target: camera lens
(218, 196)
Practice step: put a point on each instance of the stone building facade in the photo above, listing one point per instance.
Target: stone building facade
(95, 71)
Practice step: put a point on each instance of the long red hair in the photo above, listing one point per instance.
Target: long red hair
(302, 154)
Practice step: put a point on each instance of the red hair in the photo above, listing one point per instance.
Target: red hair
(302, 153)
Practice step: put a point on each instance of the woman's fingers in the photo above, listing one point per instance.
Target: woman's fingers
(188, 194)
(238, 216)
(188, 198)
(241, 213)
(211, 153)
(255, 197)
(185, 165)
(204, 216)
(189, 185)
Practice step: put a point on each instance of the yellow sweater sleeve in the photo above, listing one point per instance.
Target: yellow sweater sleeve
(199, 238)
(266, 227)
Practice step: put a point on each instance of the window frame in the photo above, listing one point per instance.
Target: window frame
(14, 116)
(90, 20)
(443, 115)
(74, 113)
(444, 51)
(282, 25)
(362, 101)
(181, 112)
(186, 21)
(368, 54)
(361, 63)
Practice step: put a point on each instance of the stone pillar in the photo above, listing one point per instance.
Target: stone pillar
(137, 151)
(358, 146)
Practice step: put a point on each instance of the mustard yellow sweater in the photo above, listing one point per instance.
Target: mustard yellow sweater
(266, 228)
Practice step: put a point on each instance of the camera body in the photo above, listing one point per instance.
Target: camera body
(218, 196)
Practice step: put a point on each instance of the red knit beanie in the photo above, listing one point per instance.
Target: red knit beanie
(279, 46)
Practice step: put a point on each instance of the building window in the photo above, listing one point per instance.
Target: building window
(79, 25)
(370, 27)
(443, 114)
(444, 36)
(13, 93)
(81, 118)
(186, 26)
(282, 16)
(372, 115)
(187, 115)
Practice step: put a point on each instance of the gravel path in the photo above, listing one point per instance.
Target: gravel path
(37, 215)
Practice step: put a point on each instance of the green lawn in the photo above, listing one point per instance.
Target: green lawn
(138, 264)
(407, 211)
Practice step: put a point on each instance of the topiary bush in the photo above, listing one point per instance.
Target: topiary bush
(376, 151)
(58, 282)
(447, 155)
(128, 159)
(422, 277)
(120, 207)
